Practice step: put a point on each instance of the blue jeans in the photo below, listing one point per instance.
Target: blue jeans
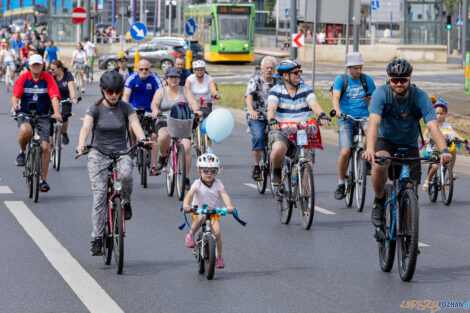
(346, 132)
(257, 131)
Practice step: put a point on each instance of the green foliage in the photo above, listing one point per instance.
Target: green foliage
(450, 5)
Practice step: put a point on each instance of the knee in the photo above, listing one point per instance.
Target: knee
(279, 148)
(344, 153)
(46, 147)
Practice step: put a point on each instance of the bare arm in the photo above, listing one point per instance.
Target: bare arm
(191, 99)
(15, 104)
(45, 56)
(272, 107)
(136, 128)
(439, 140)
(187, 84)
(187, 199)
(213, 89)
(249, 105)
(84, 131)
(317, 109)
(156, 101)
(56, 108)
(426, 135)
(58, 55)
(127, 94)
(335, 101)
(371, 137)
(71, 86)
(226, 199)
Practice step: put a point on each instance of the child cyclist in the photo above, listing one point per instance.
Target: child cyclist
(449, 133)
(206, 190)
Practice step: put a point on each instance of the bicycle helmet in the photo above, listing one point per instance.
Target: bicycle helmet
(287, 65)
(399, 68)
(199, 64)
(181, 111)
(208, 160)
(441, 103)
(112, 80)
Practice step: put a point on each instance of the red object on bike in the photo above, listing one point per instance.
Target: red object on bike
(313, 133)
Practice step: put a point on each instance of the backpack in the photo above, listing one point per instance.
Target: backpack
(181, 111)
(95, 122)
(345, 84)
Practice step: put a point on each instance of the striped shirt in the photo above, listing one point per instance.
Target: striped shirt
(292, 109)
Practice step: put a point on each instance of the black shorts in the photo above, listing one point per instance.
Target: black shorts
(394, 170)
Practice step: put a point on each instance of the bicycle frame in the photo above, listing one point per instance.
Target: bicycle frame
(112, 194)
(173, 148)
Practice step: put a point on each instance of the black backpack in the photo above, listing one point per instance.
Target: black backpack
(345, 84)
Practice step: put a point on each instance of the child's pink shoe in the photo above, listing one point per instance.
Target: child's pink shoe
(219, 262)
(189, 242)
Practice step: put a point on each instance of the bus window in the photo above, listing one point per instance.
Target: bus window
(214, 33)
(234, 26)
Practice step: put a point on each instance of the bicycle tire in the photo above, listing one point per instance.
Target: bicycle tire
(144, 172)
(107, 242)
(210, 257)
(170, 175)
(180, 171)
(349, 181)
(58, 147)
(52, 153)
(387, 247)
(200, 260)
(28, 171)
(433, 188)
(118, 235)
(408, 240)
(447, 184)
(36, 172)
(261, 184)
(306, 203)
(273, 188)
(361, 180)
(205, 143)
(284, 197)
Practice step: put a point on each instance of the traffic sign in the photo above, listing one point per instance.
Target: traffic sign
(375, 5)
(190, 27)
(138, 31)
(286, 12)
(459, 21)
(79, 15)
(298, 40)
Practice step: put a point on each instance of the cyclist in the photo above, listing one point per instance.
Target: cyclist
(395, 110)
(24, 53)
(79, 61)
(66, 84)
(8, 57)
(90, 54)
(289, 101)
(109, 119)
(351, 95)
(184, 73)
(256, 107)
(122, 68)
(206, 190)
(162, 102)
(40, 87)
(200, 83)
(51, 53)
(139, 91)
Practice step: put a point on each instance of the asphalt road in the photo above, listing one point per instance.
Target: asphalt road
(270, 267)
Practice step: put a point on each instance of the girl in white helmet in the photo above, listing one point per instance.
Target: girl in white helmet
(206, 190)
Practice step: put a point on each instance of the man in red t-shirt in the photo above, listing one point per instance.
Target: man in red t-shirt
(24, 53)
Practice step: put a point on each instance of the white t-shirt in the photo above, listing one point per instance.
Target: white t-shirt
(206, 195)
(89, 48)
(8, 55)
(79, 56)
(200, 90)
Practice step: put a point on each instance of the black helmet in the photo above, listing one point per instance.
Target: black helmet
(111, 80)
(399, 68)
(287, 65)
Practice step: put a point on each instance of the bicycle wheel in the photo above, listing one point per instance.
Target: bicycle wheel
(306, 196)
(170, 174)
(284, 195)
(107, 242)
(200, 260)
(58, 147)
(387, 245)
(144, 172)
(360, 168)
(36, 172)
(28, 171)
(408, 235)
(181, 171)
(204, 143)
(118, 244)
(261, 184)
(349, 181)
(447, 183)
(433, 188)
(210, 256)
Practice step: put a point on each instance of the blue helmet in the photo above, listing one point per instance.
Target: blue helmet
(287, 65)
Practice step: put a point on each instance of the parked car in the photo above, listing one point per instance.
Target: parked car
(165, 54)
(198, 51)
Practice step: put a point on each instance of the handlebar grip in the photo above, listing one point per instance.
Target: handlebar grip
(333, 113)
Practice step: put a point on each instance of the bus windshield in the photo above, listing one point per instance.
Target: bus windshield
(234, 27)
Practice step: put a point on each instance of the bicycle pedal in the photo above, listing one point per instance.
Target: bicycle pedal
(379, 235)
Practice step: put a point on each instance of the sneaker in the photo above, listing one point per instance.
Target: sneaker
(219, 262)
(154, 171)
(377, 215)
(161, 162)
(256, 175)
(187, 183)
(20, 159)
(127, 211)
(97, 247)
(276, 178)
(44, 186)
(189, 241)
(65, 139)
(340, 192)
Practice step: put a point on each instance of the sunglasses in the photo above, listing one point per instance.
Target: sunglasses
(298, 72)
(110, 92)
(402, 80)
(144, 69)
(209, 170)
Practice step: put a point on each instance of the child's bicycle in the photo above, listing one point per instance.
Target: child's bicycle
(205, 245)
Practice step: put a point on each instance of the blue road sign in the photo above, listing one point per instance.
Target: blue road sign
(375, 5)
(286, 12)
(138, 31)
(459, 21)
(190, 27)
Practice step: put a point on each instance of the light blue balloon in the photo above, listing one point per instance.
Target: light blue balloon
(203, 126)
(219, 124)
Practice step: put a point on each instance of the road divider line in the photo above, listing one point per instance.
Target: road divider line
(324, 211)
(92, 295)
(5, 189)
(251, 185)
(420, 244)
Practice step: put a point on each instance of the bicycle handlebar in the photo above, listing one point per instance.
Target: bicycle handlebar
(28, 115)
(379, 159)
(347, 116)
(204, 210)
(113, 154)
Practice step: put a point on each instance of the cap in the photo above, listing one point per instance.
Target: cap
(173, 72)
(354, 59)
(123, 58)
(35, 59)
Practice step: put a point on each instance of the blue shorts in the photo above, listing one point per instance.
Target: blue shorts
(257, 128)
(346, 130)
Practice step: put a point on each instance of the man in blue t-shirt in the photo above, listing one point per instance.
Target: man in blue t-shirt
(179, 64)
(352, 100)
(51, 53)
(396, 125)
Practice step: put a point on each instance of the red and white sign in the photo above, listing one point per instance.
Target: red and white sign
(298, 40)
(79, 15)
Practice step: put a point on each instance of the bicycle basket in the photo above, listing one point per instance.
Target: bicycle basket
(179, 128)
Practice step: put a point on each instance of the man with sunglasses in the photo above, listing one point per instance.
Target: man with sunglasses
(139, 90)
(395, 111)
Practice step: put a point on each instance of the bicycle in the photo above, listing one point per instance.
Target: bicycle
(115, 226)
(79, 83)
(265, 166)
(356, 174)
(200, 140)
(401, 216)
(205, 245)
(56, 144)
(88, 77)
(143, 155)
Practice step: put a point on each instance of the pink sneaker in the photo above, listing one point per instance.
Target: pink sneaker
(219, 262)
(189, 242)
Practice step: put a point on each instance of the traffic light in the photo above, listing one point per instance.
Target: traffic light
(449, 22)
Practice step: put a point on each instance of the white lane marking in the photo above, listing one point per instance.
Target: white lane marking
(5, 189)
(254, 186)
(92, 295)
(420, 244)
(324, 211)
(82, 118)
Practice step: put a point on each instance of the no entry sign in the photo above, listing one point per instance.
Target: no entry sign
(79, 15)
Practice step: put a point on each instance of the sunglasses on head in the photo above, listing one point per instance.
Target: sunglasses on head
(209, 170)
(397, 80)
(110, 92)
(144, 69)
(298, 72)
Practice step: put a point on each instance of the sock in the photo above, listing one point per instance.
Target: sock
(340, 182)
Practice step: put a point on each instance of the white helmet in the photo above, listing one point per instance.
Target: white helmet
(199, 64)
(208, 160)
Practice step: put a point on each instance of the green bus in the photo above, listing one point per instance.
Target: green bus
(225, 31)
